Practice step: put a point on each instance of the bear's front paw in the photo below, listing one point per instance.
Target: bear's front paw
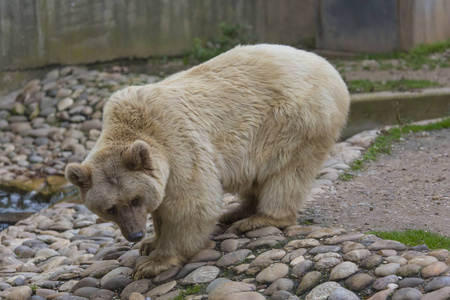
(153, 265)
(147, 246)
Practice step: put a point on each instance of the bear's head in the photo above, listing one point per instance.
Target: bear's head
(122, 184)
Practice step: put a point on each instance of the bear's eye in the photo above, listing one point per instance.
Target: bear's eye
(112, 210)
(135, 202)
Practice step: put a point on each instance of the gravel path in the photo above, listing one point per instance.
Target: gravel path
(408, 189)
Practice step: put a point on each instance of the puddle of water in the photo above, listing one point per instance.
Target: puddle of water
(17, 205)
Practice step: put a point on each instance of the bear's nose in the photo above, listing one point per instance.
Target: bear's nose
(135, 237)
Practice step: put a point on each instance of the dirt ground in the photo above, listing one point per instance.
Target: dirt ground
(408, 189)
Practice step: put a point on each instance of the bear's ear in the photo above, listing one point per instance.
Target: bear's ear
(79, 175)
(138, 157)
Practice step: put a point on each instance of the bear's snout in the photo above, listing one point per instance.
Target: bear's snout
(135, 237)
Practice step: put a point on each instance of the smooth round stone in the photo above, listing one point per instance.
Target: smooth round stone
(382, 283)
(423, 261)
(162, 289)
(229, 288)
(4, 285)
(266, 242)
(201, 275)
(267, 258)
(64, 104)
(265, 231)
(281, 284)
(326, 232)
(91, 124)
(241, 268)
(205, 255)
(85, 282)
(357, 255)
(280, 295)
(305, 243)
(229, 245)
(118, 272)
(397, 259)
(359, 282)
(272, 273)
(85, 291)
(139, 286)
(117, 283)
(19, 293)
(293, 255)
(440, 254)
(410, 282)
(327, 263)
(298, 230)
(103, 295)
(61, 226)
(189, 268)
(233, 258)
(407, 294)
(342, 294)
(420, 248)
(343, 271)
(324, 249)
(302, 268)
(19, 281)
(441, 294)
(136, 296)
(24, 252)
(320, 256)
(215, 283)
(434, 269)
(322, 291)
(387, 269)
(382, 295)
(387, 244)
(167, 275)
(47, 253)
(309, 280)
(408, 270)
(437, 283)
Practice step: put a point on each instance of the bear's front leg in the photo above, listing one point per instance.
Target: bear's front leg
(155, 264)
(149, 244)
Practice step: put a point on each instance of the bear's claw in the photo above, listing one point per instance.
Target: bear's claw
(147, 246)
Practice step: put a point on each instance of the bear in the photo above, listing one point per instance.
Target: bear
(256, 121)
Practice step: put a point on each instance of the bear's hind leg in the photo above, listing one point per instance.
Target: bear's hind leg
(280, 198)
(246, 208)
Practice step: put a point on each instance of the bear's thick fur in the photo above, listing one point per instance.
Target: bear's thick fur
(256, 121)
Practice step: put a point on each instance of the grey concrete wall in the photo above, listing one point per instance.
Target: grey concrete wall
(377, 26)
(36, 33)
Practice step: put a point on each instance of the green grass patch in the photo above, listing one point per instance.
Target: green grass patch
(417, 56)
(414, 237)
(190, 290)
(367, 86)
(383, 143)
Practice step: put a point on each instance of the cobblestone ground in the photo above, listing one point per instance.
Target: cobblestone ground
(64, 252)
